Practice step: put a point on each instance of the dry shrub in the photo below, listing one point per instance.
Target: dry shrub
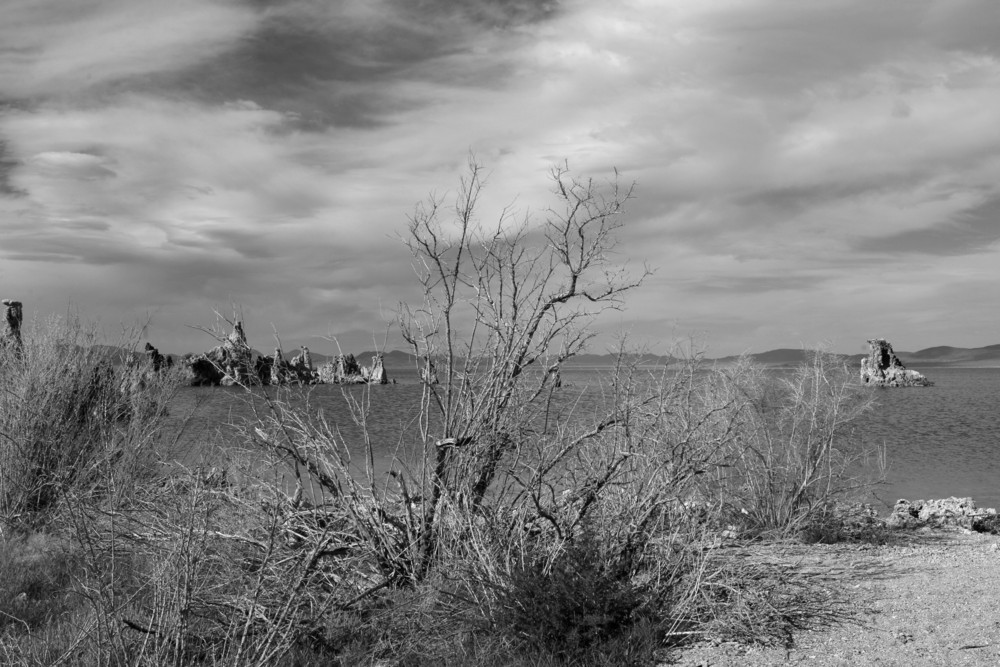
(753, 602)
(799, 452)
(67, 414)
(36, 573)
(215, 566)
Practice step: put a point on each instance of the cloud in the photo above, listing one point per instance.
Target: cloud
(50, 47)
(744, 284)
(973, 230)
(7, 165)
(359, 62)
(788, 156)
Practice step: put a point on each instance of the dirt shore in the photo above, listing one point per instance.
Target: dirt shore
(931, 598)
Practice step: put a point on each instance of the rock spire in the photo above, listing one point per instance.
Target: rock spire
(882, 368)
(10, 327)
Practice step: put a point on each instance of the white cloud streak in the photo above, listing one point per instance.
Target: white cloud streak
(52, 47)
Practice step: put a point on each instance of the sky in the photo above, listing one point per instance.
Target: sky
(807, 173)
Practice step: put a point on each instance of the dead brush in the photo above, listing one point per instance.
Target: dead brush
(741, 598)
(211, 569)
(66, 412)
(798, 450)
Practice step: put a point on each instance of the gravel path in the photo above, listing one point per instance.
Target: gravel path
(931, 599)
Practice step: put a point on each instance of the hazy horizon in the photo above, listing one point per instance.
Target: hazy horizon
(814, 173)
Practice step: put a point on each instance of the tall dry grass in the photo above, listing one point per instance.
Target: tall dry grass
(71, 421)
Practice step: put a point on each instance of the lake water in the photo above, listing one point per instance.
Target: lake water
(941, 441)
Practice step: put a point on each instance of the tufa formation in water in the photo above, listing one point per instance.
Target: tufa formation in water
(234, 362)
(10, 327)
(882, 368)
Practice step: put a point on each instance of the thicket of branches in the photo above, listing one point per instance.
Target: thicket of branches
(532, 521)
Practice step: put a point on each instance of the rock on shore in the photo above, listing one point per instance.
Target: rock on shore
(946, 512)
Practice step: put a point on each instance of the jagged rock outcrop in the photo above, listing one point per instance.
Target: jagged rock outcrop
(233, 362)
(156, 360)
(376, 373)
(947, 512)
(301, 368)
(140, 368)
(10, 333)
(237, 358)
(277, 368)
(228, 364)
(883, 368)
(201, 371)
(262, 367)
(327, 373)
(344, 369)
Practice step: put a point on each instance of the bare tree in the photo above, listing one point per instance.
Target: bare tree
(506, 303)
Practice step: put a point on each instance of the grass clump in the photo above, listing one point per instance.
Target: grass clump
(570, 603)
(36, 575)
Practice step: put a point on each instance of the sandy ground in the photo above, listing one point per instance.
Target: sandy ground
(931, 599)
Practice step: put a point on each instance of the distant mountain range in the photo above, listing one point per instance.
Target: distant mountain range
(933, 356)
(941, 355)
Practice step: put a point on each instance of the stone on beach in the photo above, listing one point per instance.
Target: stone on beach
(946, 512)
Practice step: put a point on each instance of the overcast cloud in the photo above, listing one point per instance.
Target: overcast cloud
(807, 172)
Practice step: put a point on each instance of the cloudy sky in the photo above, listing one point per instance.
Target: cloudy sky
(807, 172)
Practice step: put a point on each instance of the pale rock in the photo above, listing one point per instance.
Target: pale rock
(882, 368)
(946, 512)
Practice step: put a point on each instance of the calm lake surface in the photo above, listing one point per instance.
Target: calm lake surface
(941, 441)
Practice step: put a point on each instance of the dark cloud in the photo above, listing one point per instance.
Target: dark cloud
(794, 200)
(7, 166)
(964, 25)
(72, 247)
(974, 230)
(329, 68)
(247, 244)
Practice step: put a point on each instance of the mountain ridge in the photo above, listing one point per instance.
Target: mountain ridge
(940, 355)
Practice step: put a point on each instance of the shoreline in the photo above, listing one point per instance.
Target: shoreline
(927, 599)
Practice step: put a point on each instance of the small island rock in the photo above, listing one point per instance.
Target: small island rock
(882, 368)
